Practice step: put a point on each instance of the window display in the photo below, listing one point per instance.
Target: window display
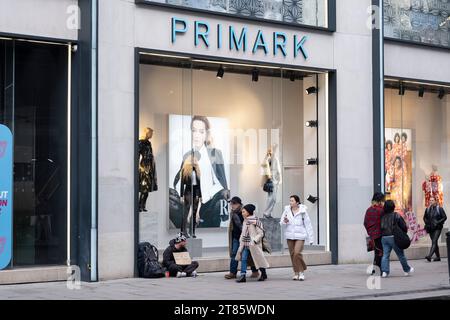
(417, 144)
(221, 137)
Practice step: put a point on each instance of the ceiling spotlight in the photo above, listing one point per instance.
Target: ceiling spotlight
(220, 72)
(255, 75)
(311, 90)
(421, 92)
(312, 199)
(401, 90)
(311, 123)
(441, 93)
(292, 77)
(312, 161)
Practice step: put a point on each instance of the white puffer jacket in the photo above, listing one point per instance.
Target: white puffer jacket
(299, 226)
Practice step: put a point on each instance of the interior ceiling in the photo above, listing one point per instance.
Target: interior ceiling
(415, 86)
(197, 64)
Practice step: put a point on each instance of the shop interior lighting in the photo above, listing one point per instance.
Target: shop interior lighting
(311, 123)
(220, 72)
(312, 199)
(311, 90)
(255, 75)
(421, 92)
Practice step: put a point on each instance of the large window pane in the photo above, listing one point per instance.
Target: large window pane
(306, 12)
(423, 21)
(34, 107)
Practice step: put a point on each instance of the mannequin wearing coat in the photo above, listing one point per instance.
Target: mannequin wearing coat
(298, 231)
(271, 170)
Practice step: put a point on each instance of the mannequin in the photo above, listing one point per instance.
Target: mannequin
(432, 186)
(147, 168)
(191, 195)
(271, 170)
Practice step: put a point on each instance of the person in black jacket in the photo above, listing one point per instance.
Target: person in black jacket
(389, 220)
(178, 245)
(234, 234)
(434, 219)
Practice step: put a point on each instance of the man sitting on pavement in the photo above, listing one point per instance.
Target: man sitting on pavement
(178, 245)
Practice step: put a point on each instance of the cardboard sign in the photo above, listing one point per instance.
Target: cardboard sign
(182, 258)
(6, 195)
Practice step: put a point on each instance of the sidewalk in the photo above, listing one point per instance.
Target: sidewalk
(322, 282)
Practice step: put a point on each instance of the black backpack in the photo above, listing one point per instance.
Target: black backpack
(147, 261)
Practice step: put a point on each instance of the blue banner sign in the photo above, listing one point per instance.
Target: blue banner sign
(6, 195)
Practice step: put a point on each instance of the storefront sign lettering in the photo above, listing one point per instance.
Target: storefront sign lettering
(238, 40)
(6, 173)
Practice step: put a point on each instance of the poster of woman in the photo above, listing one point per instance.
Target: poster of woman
(203, 138)
(398, 168)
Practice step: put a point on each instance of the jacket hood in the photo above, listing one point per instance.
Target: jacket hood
(172, 243)
(301, 206)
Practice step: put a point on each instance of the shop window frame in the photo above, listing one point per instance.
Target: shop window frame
(331, 15)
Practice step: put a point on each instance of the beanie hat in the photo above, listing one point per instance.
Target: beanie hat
(249, 208)
(180, 238)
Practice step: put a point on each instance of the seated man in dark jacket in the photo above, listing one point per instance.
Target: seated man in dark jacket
(178, 245)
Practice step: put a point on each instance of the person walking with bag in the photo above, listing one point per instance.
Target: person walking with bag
(393, 231)
(298, 230)
(251, 243)
(372, 223)
(434, 219)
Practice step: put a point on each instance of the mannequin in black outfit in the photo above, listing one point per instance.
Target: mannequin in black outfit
(147, 169)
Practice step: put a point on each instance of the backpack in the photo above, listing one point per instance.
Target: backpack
(147, 261)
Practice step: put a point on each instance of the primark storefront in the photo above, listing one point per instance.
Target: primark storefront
(148, 89)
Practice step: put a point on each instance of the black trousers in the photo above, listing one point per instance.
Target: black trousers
(187, 205)
(434, 235)
(378, 253)
(142, 200)
(175, 268)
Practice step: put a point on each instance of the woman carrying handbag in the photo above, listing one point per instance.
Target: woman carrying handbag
(394, 236)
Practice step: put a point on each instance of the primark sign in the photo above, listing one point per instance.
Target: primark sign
(227, 37)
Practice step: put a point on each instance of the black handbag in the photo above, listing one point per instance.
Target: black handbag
(268, 186)
(401, 238)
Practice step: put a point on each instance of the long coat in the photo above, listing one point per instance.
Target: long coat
(255, 247)
(234, 217)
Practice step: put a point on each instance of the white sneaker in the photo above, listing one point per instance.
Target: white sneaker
(384, 275)
(295, 277)
(181, 274)
(410, 271)
(194, 274)
(301, 276)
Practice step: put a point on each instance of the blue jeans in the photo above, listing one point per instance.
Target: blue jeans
(244, 257)
(389, 244)
(233, 262)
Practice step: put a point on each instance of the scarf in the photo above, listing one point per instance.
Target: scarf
(246, 239)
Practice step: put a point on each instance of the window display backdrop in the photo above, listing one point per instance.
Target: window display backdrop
(246, 119)
(417, 147)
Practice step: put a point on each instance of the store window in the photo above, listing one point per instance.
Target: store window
(33, 105)
(210, 131)
(301, 12)
(421, 21)
(417, 149)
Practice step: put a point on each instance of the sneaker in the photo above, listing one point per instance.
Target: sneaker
(181, 274)
(301, 276)
(295, 276)
(229, 276)
(384, 275)
(411, 270)
(428, 258)
(194, 274)
(241, 278)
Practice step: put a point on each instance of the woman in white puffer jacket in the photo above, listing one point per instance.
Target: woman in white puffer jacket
(298, 231)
